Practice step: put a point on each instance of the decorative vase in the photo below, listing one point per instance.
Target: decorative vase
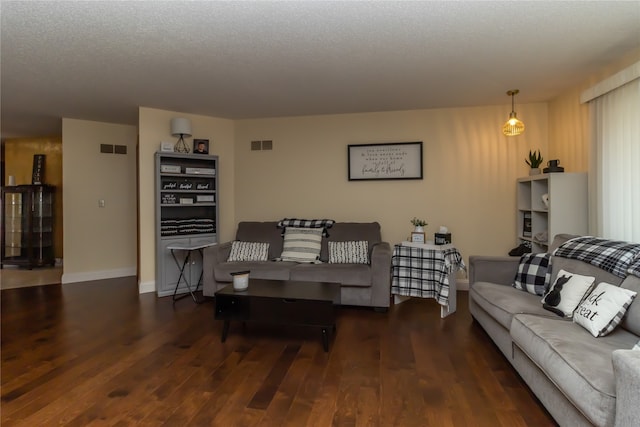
(534, 171)
(418, 229)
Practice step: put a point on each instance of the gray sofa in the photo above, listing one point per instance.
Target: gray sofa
(581, 380)
(362, 284)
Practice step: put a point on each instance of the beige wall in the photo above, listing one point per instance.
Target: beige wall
(98, 242)
(154, 128)
(469, 174)
(18, 159)
(470, 170)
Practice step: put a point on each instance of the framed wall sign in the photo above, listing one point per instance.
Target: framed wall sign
(396, 160)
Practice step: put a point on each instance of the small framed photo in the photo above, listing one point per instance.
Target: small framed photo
(417, 237)
(200, 146)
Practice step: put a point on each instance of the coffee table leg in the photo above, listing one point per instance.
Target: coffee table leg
(325, 339)
(225, 331)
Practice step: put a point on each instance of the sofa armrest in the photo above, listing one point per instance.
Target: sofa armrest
(495, 269)
(381, 274)
(212, 256)
(626, 369)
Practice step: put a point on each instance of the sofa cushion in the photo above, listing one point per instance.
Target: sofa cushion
(582, 268)
(350, 252)
(268, 232)
(566, 293)
(248, 251)
(533, 273)
(503, 302)
(345, 274)
(274, 270)
(301, 244)
(631, 321)
(579, 364)
(603, 309)
(346, 231)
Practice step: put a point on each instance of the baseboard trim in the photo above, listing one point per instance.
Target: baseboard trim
(147, 287)
(98, 275)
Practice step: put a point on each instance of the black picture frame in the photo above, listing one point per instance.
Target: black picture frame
(385, 161)
(197, 143)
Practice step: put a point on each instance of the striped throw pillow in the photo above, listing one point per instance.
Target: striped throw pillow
(351, 252)
(248, 251)
(301, 244)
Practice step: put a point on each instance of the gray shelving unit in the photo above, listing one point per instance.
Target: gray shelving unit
(567, 211)
(186, 214)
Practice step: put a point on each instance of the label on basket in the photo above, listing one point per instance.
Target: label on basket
(172, 185)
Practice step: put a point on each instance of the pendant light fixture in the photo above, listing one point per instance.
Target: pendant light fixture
(513, 126)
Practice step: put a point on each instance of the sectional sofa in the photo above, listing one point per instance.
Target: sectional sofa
(363, 284)
(581, 380)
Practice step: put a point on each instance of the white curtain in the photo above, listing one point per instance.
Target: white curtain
(616, 162)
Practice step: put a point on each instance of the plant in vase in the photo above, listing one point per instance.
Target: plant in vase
(534, 162)
(418, 224)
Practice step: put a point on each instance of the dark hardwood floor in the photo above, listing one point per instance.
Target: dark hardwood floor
(98, 353)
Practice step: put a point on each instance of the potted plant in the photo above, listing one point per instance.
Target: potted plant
(534, 162)
(418, 224)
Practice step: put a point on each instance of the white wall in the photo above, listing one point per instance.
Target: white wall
(98, 242)
(470, 170)
(154, 127)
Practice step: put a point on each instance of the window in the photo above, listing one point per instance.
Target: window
(615, 164)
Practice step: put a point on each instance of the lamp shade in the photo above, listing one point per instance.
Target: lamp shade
(180, 127)
(513, 126)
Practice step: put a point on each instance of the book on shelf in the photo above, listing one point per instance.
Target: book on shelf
(526, 224)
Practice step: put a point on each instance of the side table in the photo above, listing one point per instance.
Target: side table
(426, 271)
(188, 250)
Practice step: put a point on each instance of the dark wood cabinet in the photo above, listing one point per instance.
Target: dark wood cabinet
(27, 225)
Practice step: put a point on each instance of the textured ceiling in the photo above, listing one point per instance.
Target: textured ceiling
(101, 60)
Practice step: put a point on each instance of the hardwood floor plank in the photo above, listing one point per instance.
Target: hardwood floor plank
(98, 353)
(264, 395)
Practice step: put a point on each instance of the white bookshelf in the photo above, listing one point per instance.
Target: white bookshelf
(567, 211)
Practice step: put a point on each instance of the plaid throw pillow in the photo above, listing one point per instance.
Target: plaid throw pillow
(306, 223)
(533, 273)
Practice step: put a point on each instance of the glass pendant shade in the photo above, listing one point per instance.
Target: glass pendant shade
(513, 126)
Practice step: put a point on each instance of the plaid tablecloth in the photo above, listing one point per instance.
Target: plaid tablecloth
(424, 273)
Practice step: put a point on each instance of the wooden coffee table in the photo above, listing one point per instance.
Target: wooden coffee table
(280, 301)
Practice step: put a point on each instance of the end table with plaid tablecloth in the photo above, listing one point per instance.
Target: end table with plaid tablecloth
(426, 271)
